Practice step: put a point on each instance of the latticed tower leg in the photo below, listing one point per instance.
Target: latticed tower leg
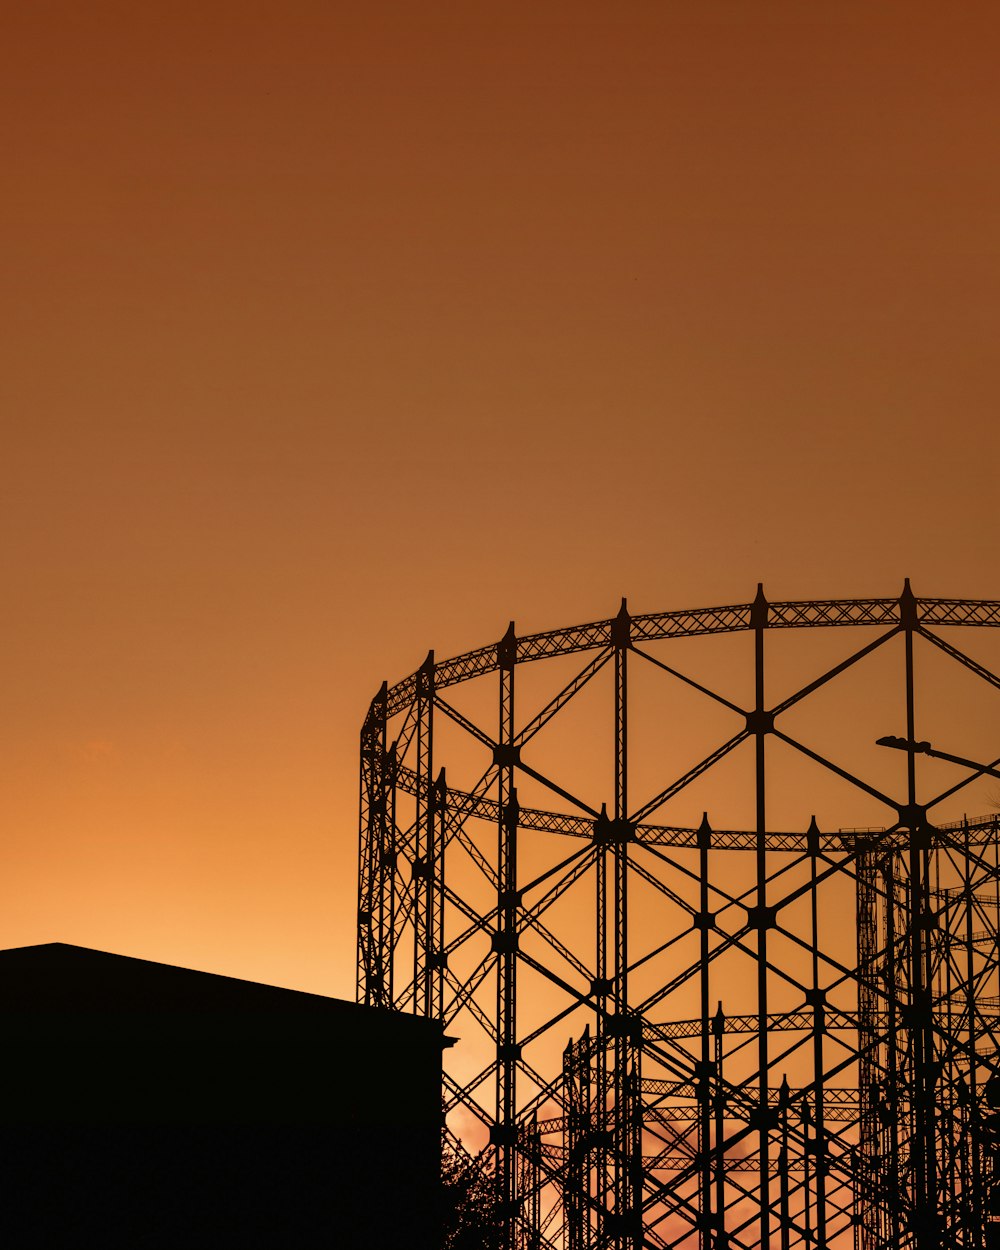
(869, 1160)
(374, 925)
(626, 1231)
(576, 1131)
(436, 957)
(505, 943)
(425, 831)
(760, 723)
(529, 1184)
(582, 1187)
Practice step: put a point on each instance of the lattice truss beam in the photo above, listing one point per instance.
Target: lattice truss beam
(844, 1096)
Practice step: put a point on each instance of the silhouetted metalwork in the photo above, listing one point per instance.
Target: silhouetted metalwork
(850, 1101)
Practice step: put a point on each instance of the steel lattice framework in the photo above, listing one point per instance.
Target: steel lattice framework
(852, 1103)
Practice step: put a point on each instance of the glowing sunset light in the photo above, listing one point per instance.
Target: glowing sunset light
(334, 333)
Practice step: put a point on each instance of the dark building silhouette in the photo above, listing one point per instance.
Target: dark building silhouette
(145, 1105)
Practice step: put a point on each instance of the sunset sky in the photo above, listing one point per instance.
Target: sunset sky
(334, 332)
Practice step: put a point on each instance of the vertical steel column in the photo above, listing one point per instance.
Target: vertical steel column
(989, 1175)
(633, 1151)
(601, 988)
(870, 1164)
(529, 1170)
(583, 1221)
(761, 722)
(972, 1187)
(718, 1032)
(805, 1115)
(436, 958)
(924, 1198)
(817, 999)
(423, 841)
(373, 950)
(891, 1188)
(705, 1072)
(785, 1218)
(856, 1216)
(505, 943)
(389, 865)
(574, 1143)
(627, 1190)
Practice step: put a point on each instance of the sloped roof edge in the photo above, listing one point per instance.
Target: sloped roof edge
(61, 977)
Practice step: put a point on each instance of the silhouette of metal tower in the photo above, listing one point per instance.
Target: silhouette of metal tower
(776, 1038)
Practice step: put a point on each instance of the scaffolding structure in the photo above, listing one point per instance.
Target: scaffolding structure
(788, 1039)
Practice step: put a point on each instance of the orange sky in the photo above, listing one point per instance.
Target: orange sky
(334, 332)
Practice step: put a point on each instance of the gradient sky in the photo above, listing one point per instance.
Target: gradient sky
(334, 332)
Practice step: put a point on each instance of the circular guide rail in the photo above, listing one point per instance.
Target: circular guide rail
(585, 1153)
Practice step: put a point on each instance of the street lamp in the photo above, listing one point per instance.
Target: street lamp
(925, 748)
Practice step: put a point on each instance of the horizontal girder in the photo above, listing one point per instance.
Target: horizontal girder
(463, 805)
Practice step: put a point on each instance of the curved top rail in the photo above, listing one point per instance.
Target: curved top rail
(655, 626)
